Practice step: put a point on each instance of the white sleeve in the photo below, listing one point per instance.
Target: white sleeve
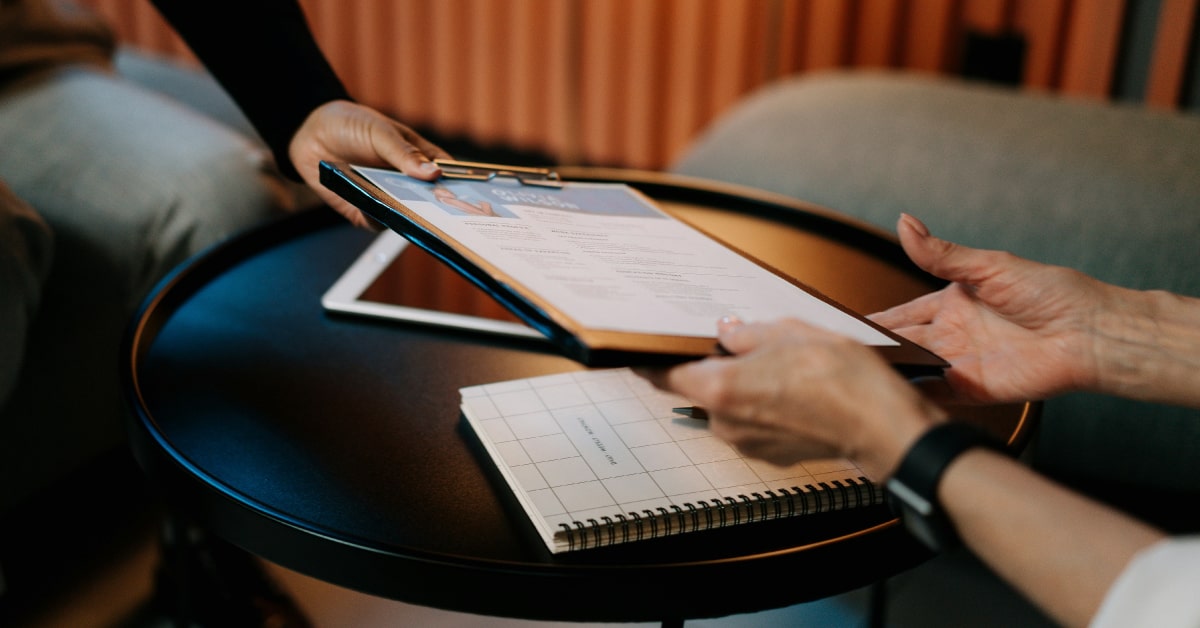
(1160, 587)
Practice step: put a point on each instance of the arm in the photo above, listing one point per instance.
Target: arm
(1061, 550)
(792, 391)
(1012, 330)
(1154, 356)
(263, 53)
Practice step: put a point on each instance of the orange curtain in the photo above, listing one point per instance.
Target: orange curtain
(629, 82)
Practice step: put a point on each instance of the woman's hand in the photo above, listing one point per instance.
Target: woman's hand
(1012, 329)
(792, 391)
(345, 131)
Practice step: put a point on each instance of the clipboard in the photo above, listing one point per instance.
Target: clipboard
(590, 346)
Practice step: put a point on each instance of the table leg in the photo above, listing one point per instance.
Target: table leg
(877, 610)
(203, 580)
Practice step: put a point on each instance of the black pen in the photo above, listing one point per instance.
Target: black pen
(692, 412)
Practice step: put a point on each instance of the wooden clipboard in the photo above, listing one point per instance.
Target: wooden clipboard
(590, 347)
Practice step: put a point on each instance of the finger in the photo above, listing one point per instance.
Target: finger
(764, 441)
(428, 148)
(942, 258)
(392, 144)
(696, 380)
(764, 445)
(417, 165)
(420, 153)
(675, 379)
(653, 374)
(922, 248)
(963, 265)
(728, 323)
(922, 335)
(740, 338)
(919, 311)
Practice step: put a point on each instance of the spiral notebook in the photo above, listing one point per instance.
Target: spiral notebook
(601, 457)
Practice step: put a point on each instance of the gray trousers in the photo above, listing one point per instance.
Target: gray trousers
(106, 183)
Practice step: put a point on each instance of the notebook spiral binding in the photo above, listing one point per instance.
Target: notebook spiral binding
(720, 513)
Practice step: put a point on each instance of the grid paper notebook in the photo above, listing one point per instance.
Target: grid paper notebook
(600, 457)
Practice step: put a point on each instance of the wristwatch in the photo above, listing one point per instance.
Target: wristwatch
(912, 489)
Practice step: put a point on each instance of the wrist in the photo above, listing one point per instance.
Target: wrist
(1148, 347)
(884, 449)
(913, 489)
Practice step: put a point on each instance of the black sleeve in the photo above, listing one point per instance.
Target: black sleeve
(264, 54)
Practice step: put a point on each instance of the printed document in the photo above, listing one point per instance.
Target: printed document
(610, 259)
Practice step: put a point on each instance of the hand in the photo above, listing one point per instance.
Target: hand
(344, 131)
(1012, 329)
(793, 391)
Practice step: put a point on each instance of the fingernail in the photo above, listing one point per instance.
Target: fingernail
(428, 167)
(916, 224)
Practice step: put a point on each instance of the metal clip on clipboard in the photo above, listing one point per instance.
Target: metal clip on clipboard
(543, 177)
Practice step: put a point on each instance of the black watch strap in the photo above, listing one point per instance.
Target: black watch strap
(912, 489)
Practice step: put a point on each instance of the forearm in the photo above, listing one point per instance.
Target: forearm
(263, 53)
(1148, 348)
(1060, 549)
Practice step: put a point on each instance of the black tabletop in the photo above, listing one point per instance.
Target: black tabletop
(333, 445)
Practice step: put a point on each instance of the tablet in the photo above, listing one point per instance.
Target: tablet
(393, 279)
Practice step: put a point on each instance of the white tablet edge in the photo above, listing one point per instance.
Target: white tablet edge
(343, 295)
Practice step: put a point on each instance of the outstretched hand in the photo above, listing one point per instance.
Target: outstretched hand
(344, 131)
(1012, 329)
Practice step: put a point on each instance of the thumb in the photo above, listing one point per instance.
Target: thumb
(942, 258)
(738, 337)
(407, 151)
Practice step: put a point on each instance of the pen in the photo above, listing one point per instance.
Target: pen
(694, 412)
